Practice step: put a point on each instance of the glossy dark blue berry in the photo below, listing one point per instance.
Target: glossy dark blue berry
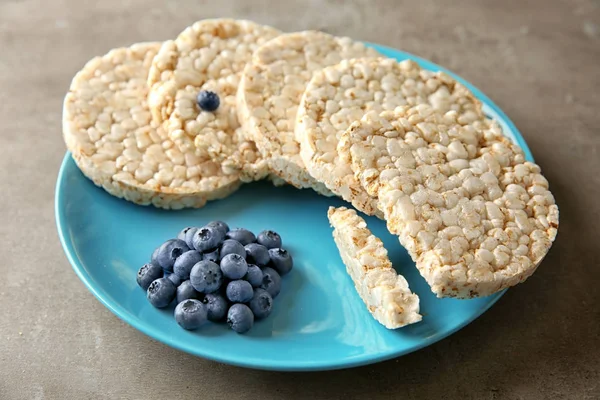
(239, 291)
(185, 262)
(269, 239)
(147, 274)
(206, 277)
(261, 303)
(244, 236)
(220, 225)
(211, 255)
(207, 238)
(186, 291)
(216, 306)
(173, 277)
(161, 292)
(234, 266)
(208, 101)
(190, 314)
(254, 275)
(271, 281)
(257, 254)
(231, 246)
(169, 251)
(240, 318)
(281, 260)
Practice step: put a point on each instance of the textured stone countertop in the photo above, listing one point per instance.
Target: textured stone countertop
(539, 60)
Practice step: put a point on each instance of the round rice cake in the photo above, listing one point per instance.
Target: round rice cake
(338, 95)
(270, 91)
(108, 129)
(473, 214)
(208, 55)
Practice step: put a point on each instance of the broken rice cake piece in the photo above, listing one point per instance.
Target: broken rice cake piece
(473, 214)
(385, 293)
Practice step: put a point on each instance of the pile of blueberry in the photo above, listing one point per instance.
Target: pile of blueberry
(217, 274)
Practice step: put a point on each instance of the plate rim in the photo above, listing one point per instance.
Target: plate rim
(263, 364)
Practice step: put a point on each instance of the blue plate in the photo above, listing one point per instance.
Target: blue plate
(318, 322)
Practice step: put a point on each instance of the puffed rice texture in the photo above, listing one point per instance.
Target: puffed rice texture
(472, 213)
(108, 129)
(338, 95)
(209, 55)
(385, 293)
(270, 91)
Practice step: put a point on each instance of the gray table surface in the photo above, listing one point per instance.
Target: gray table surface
(539, 60)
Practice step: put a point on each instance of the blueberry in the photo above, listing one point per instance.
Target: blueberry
(261, 303)
(206, 277)
(240, 318)
(254, 275)
(257, 254)
(189, 237)
(161, 292)
(220, 225)
(207, 100)
(269, 239)
(173, 277)
(244, 236)
(169, 251)
(271, 281)
(148, 274)
(216, 305)
(231, 246)
(281, 260)
(184, 231)
(207, 238)
(190, 314)
(154, 257)
(186, 291)
(211, 255)
(239, 291)
(185, 262)
(234, 266)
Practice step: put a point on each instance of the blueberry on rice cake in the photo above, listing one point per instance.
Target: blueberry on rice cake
(208, 56)
(108, 129)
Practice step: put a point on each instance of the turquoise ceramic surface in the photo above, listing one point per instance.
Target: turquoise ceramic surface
(318, 321)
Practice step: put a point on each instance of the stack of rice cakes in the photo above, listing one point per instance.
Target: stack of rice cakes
(329, 114)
